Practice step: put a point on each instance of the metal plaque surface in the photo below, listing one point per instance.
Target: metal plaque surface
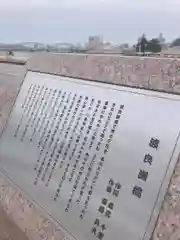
(98, 158)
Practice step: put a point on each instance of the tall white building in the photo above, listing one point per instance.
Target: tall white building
(95, 42)
(161, 39)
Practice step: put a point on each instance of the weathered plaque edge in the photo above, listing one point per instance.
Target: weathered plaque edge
(163, 190)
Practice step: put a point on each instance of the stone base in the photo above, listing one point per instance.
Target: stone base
(8, 230)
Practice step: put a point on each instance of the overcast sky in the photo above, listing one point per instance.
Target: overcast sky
(118, 21)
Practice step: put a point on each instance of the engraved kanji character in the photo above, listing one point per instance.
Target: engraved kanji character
(70, 200)
(35, 182)
(137, 191)
(58, 190)
(104, 201)
(83, 211)
(111, 205)
(93, 230)
(154, 143)
(148, 159)
(118, 186)
(90, 192)
(112, 130)
(143, 175)
(116, 192)
(102, 159)
(97, 222)
(103, 227)
(82, 168)
(109, 189)
(100, 164)
(56, 197)
(100, 235)
(105, 151)
(101, 209)
(102, 135)
(111, 182)
(108, 213)
(75, 187)
(116, 121)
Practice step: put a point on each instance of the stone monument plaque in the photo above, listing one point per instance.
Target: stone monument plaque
(98, 158)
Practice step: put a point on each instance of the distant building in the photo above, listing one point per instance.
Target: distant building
(124, 46)
(94, 42)
(161, 39)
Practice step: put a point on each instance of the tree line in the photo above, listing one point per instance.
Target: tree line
(147, 46)
(152, 46)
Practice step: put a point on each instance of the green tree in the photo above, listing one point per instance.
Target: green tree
(142, 45)
(176, 43)
(154, 46)
(145, 45)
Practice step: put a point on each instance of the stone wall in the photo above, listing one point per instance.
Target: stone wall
(151, 73)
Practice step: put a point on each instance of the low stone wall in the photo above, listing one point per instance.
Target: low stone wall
(12, 60)
(162, 74)
(157, 74)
